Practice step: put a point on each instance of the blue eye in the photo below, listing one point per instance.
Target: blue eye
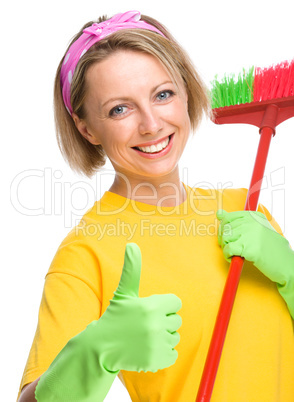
(117, 110)
(165, 95)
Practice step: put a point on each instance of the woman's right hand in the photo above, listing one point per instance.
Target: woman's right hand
(140, 333)
(135, 334)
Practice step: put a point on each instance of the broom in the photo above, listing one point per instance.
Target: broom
(264, 98)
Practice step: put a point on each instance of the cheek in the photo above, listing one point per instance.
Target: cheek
(181, 106)
(115, 139)
(184, 124)
(181, 116)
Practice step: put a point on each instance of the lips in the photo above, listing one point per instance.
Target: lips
(155, 149)
(149, 143)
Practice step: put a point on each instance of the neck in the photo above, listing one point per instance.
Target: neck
(167, 191)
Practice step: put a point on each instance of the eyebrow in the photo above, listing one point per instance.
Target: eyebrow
(125, 98)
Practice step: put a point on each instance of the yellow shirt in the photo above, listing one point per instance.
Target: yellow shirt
(180, 255)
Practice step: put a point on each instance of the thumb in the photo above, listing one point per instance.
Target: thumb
(131, 273)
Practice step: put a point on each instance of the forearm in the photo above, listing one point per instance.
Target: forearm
(52, 391)
(77, 373)
(28, 392)
(286, 289)
(248, 234)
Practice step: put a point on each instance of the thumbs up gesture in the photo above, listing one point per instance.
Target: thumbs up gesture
(140, 333)
(133, 334)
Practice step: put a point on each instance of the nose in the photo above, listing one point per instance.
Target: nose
(150, 121)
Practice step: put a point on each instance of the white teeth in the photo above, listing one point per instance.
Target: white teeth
(155, 148)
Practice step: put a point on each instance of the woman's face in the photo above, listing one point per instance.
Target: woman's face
(138, 115)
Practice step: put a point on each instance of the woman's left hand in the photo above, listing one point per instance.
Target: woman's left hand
(249, 234)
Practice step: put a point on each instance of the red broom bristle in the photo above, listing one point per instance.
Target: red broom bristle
(274, 82)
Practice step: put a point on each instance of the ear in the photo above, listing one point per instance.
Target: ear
(81, 125)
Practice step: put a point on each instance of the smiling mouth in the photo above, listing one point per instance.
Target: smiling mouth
(153, 149)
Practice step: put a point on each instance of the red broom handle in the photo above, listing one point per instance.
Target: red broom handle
(229, 293)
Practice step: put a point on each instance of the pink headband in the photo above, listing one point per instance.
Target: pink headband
(89, 37)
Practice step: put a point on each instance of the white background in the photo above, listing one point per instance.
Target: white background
(42, 198)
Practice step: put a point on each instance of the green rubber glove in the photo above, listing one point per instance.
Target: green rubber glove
(249, 234)
(133, 334)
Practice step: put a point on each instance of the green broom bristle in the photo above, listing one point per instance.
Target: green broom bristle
(232, 90)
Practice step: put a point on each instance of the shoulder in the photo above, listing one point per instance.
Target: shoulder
(230, 199)
(77, 252)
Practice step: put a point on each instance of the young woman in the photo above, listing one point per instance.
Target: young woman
(134, 289)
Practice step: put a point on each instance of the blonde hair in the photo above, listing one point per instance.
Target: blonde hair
(86, 158)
